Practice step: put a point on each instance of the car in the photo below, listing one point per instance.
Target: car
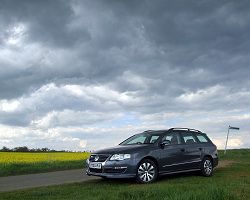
(153, 153)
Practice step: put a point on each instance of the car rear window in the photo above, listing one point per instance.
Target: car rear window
(202, 138)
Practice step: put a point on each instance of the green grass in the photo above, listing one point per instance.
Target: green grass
(231, 183)
(39, 167)
(233, 154)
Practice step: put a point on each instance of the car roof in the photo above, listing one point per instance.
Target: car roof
(175, 129)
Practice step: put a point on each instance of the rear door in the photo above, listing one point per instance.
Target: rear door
(192, 150)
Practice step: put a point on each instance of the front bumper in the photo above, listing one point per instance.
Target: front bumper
(110, 175)
(113, 169)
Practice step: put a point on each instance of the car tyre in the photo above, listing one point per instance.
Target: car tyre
(147, 172)
(207, 167)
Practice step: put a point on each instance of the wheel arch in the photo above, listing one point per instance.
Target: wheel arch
(206, 167)
(152, 159)
(154, 174)
(211, 158)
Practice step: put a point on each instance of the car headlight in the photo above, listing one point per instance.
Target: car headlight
(120, 157)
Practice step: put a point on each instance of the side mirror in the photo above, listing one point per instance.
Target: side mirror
(165, 143)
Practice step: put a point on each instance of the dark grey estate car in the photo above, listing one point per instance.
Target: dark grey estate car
(147, 155)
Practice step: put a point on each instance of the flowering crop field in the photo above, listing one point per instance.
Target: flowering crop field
(18, 157)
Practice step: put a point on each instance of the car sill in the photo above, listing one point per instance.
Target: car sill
(177, 172)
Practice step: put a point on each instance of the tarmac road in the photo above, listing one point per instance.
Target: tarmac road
(43, 179)
(53, 178)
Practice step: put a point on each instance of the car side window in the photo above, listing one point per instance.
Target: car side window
(202, 138)
(153, 138)
(173, 138)
(188, 138)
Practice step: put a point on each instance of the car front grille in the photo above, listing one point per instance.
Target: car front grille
(115, 171)
(95, 170)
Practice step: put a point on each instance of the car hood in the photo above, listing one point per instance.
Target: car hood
(122, 149)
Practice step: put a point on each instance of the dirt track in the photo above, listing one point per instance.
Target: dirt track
(225, 163)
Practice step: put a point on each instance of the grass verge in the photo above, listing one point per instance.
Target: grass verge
(39, 167)
(231, 183)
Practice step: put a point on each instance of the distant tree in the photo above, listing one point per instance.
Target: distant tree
(45, 149)
(26, 149)
(32, 150)
(5, 149)
(21, 149)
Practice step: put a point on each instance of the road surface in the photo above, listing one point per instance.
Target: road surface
(43, 179)
(52, 178)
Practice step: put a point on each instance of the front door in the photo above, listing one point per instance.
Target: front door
(171, 153)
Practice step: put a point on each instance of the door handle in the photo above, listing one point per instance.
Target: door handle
(200, 148)
(182, 150)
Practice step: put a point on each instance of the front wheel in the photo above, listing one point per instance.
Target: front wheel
(146, 172)
(206, 167)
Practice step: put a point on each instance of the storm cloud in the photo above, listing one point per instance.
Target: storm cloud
(87, 74)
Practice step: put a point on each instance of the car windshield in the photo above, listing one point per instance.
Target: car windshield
(142, 138)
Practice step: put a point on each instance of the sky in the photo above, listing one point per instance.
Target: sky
(85, 75)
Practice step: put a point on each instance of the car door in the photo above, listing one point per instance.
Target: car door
(192, 150)
(171, 152)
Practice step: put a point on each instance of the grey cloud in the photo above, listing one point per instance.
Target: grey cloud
(15, 119)
(47, 21)
(180, 35)
(148, 57)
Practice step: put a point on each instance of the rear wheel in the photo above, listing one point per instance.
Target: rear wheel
(206, 167)
(146, 172)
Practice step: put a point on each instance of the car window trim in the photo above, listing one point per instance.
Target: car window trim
(194, 136)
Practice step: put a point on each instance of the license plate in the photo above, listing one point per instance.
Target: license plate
(95, 165)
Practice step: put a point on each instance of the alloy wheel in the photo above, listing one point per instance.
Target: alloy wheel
(147, 172)
(208, 167)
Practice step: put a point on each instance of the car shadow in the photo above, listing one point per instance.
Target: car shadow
(159, 179)
(179, 175)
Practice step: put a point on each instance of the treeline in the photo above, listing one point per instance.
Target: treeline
(26, 149)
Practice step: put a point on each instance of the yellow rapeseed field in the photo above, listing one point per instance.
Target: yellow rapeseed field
(17, 157)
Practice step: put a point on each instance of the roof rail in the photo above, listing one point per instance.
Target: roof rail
(148, 131)
(188, 129)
